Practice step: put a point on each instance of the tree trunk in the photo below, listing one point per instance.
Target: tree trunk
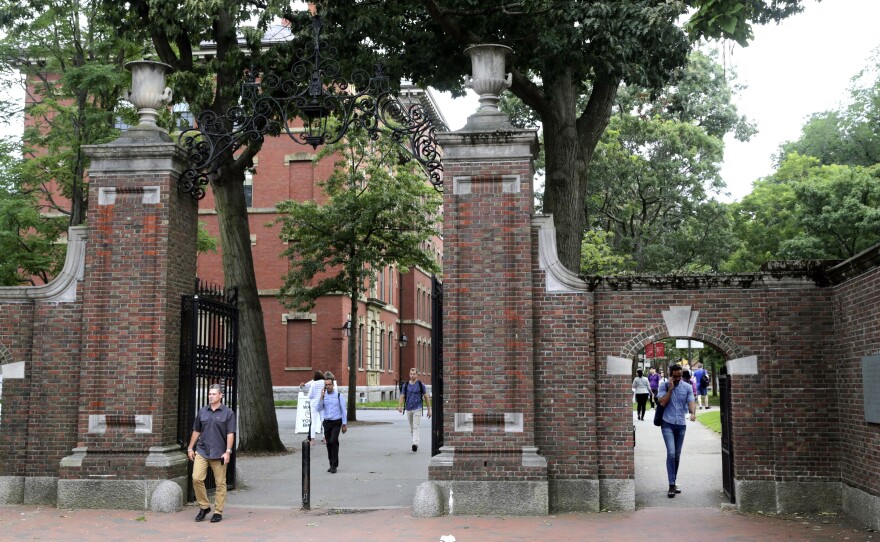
(563, 197)
(257, 423)
(569, 144)
(352, 356)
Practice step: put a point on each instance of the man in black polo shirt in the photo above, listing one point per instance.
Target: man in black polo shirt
(213, 438)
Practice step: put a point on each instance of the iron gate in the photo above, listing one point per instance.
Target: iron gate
(436, 366)
(208, 355)
(726, 436)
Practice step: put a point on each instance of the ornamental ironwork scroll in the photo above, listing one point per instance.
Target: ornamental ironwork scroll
(314, 92)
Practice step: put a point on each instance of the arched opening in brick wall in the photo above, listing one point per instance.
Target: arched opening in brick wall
(701, 469)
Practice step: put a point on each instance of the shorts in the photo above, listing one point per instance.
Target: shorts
(702, 390)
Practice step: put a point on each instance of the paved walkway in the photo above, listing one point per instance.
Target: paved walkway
(369, 499)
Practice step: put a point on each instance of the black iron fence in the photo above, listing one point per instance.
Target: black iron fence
(208, 355)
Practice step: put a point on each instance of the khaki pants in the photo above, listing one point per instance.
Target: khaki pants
(415, 420)
(200, 471)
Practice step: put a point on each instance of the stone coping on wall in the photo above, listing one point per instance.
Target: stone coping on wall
(62, 289)
(559, 279)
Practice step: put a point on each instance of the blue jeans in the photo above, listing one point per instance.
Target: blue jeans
(673, 436)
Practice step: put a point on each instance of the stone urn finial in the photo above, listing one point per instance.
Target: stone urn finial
(148, 92)
(489, 80)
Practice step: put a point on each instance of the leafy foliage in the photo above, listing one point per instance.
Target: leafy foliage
(570, 57)
(28, 240)
(850, 135)
(808, 211)
(731, 19)
(656, 170)
(71, 59)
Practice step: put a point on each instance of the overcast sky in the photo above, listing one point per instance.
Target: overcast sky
(791, 70)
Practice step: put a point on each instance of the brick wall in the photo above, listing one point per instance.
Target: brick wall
(856, 335)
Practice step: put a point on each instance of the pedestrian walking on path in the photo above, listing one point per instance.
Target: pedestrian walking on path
(677, 399)
(332, 408)
(211, 444)
(414, 397)
(642, 388)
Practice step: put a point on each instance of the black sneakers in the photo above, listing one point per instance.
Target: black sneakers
(216, 518)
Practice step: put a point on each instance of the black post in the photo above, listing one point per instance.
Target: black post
(306, 475)
(437, 367)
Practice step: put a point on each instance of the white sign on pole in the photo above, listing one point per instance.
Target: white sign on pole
(303, 414)
(684, 344)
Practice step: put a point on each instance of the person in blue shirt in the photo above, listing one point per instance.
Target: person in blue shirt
(413, 396)
(332, 408)
(677, 399)
(702, 390)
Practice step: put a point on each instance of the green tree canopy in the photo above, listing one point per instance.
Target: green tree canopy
(849, 135)
(380, 211)
(71, 62)
(570, 57)
(656, 171)
(29, 241)
(807, 211)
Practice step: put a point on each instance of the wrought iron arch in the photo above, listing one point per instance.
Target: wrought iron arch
(314, 92)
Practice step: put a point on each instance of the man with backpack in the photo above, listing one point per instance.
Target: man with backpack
(702, 377)
(413, 396)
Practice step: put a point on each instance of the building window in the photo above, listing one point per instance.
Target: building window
(361, 346)
(381, 283)
(299, 343)
(381, 349)
(371, 353)
(249, 187)
(391, 285)
(182, 117)
(390, 351)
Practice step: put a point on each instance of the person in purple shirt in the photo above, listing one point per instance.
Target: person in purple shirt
(654, 382)
(677, 398)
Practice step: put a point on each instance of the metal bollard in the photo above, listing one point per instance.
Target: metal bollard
(306, 474)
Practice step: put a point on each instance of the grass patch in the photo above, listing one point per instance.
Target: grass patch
(285, 403)
(379, 404)
(711, 419)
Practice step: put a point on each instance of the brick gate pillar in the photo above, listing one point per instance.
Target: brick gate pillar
(489, 463)
(140, 259)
